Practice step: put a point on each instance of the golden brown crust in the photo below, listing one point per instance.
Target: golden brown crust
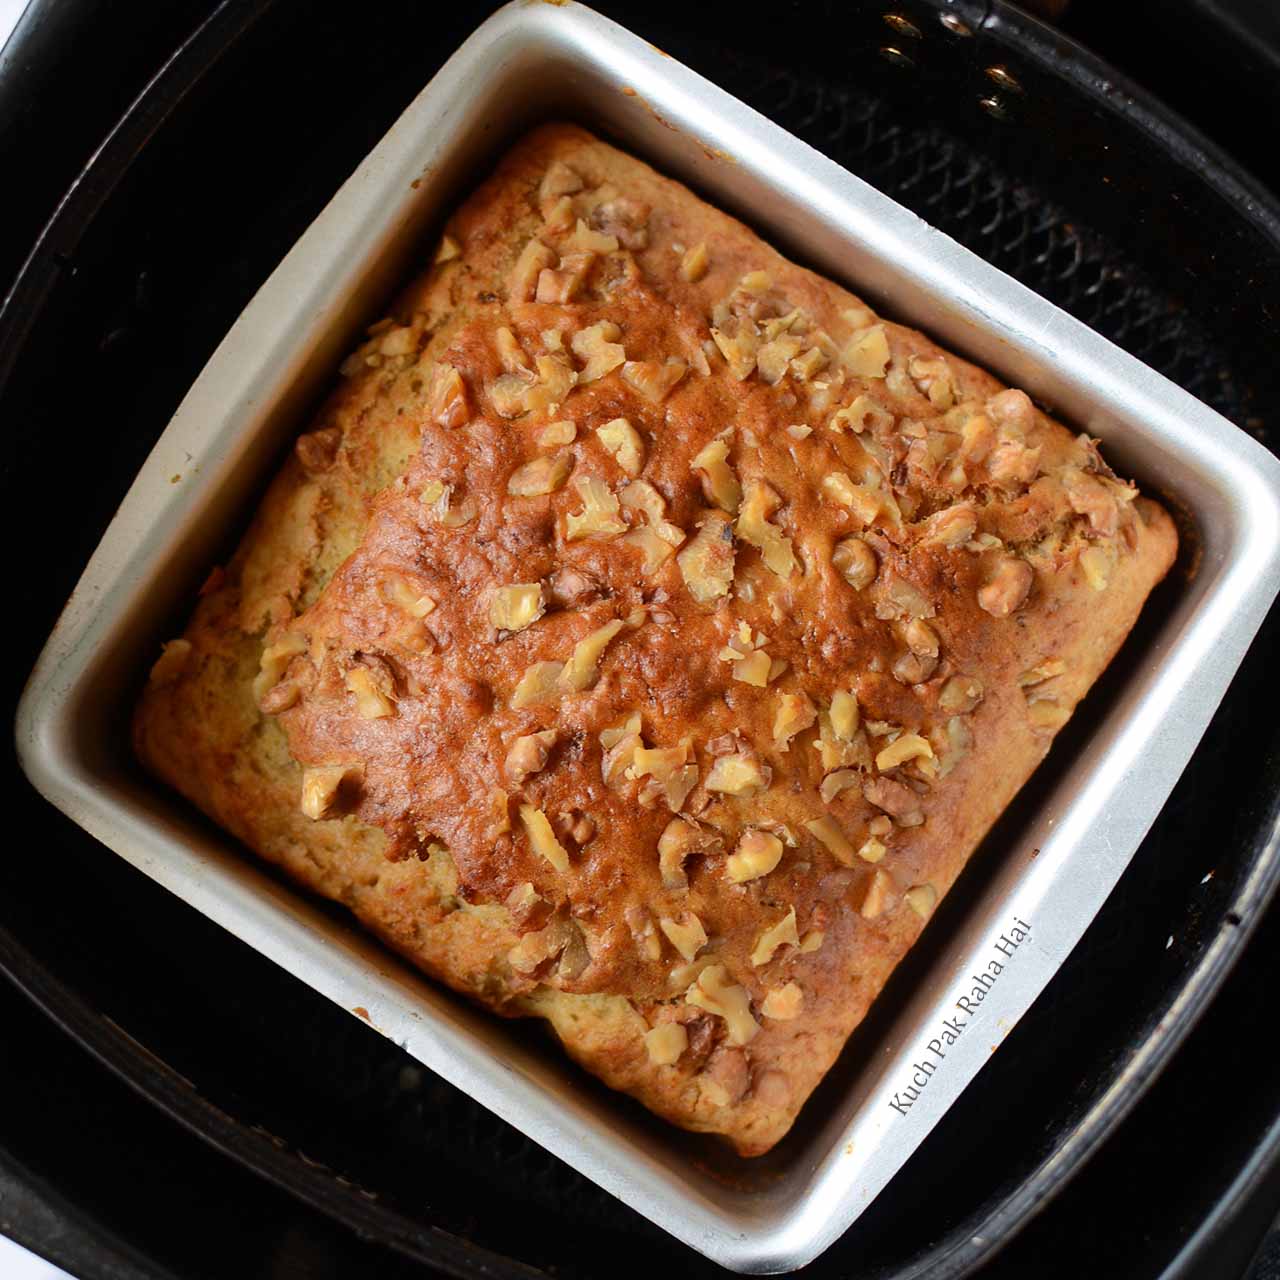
(646, 634)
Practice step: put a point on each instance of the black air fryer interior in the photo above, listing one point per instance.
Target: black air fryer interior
(1144, 242)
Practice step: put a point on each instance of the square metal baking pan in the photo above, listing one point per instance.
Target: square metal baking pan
(534, 61)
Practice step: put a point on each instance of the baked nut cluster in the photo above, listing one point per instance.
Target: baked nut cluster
(694, 638)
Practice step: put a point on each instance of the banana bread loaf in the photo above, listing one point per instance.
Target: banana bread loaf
(646, 633)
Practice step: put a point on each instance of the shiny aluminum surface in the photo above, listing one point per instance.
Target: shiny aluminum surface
(533, 61)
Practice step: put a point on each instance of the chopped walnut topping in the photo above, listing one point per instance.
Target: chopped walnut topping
(856, 562)
(374, 698)
(694, 264)
(620, 744)
(559, 216)
(327, 789)
(670, 769)
(737, 775)
(872, 849)
(274, 662)
(528, 755)
(405, 597)
(714, 992)
(922, 898)
(542, 839)
(585, 240)
(623, 441)
(899, 802)
(932, 376)
(977, 439)
(808, 364)
(718, 481)
(1095, 564)
(952, 527)
(739, 350)
(864, 414)
(753, 526)
(600, 514)
(960, 695)
(687, 935)
(844, 715)
(560, 937)
(1012, 411)
(910, 746)
(599, 348)
(880, 895)
(447, 402)
(1041, 672)
(176, 654)
(554, 433)
(510, 352)
(559, 180)
(1046, 715)
(865, 501)
(624, 219)
(665, 1043)
(582, 669)
(653, 379)
(564, 283)
(798, 431)
(795, 714)
(706, 564)
(778, 935)
(783, 1003)
(539, 681)
(534, 258)
(867, 355)
(827, 830)
(317, 451)
(834, 783)
(449, 250)
(508, 395)
(812, 941)
(774, 358)
(438, 500)
(540, 476)
(680, 838)
(758, 852)
(1007, 589)
(751, 664)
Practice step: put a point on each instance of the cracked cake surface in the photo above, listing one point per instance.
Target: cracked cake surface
(646, 633)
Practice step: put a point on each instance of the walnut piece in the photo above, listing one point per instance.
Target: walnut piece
(449, 250)
(687, 935)
(753, 526)
(783, 1003)
(534, 258)
(599, 348)
(665, 1043)
(714, 992)
(1007, 589)
(718, 482)
(758, 852)
(694, 264)
(737, 775)
(777, 935)
(855, 562)
(599, 516)
(826, 830)
(652, 379)
(373, 698)
(909, 746)
(554, 433)
(328, 789)
(559, 180)
(1095, 564)
(528, 755)
(542, 839)
(921, 898)
(795, 714)
(623, 441)
(540, 476)
(706, 564)
(447, 400)
(539, 682)
(880, 895)
(867, 355)
(582, 669)
(679, 839)
(401, 593)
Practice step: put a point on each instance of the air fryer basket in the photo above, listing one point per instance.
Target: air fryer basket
(235, 147)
